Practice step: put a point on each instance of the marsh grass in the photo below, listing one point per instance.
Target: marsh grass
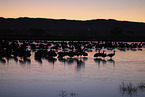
(125, 88)
(72, 94)
(64, 93)
(141, 86)
(128, 88)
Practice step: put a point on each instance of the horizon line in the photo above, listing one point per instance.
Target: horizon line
(71, 19)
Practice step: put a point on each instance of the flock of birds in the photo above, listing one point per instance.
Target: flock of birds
(104, 54)
(22, 50)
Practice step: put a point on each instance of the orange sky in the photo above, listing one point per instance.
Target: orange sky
(129, 10)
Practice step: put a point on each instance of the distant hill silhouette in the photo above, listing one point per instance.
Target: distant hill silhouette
(54, 29)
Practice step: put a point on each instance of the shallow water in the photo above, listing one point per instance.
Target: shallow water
(87, 78)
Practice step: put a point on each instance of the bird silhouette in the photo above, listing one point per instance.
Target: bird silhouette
(111, 54)
(97, 54)
(103, 54)
(100, 54)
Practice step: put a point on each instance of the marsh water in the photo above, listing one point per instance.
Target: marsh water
(87, 77)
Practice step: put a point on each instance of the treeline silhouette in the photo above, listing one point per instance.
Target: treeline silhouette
(61, 29)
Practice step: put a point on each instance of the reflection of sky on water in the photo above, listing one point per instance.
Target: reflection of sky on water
(85, 76)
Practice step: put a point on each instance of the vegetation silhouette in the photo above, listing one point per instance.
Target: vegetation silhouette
(64, 93)
(130, 89)
(62, 29)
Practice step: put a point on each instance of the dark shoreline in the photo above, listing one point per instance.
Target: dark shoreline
(53, 38)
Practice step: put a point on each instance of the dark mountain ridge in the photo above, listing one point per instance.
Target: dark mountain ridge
(61, 29)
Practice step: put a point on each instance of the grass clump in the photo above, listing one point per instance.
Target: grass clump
(128, 88)
(67, 94)
(63, 93)
(141, 85)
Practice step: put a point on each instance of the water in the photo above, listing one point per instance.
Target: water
(87, 78)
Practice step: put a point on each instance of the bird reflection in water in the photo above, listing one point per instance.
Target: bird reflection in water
(80, 64)
(111, 61)
(38, 59)
(3, 61)
(85, 58)
(70, 61)
(103, 61)
(98, 60)
(28, 60)
(63, 60)
(15, 59)
(24, 60)
(52, 60)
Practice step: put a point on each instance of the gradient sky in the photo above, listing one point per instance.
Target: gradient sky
(129, 10)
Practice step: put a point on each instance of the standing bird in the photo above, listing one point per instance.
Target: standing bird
(51, 54)
(103, 54)
(97, 54)
(111, 54)
(100, 54)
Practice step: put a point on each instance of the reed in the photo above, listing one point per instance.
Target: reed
(141, 85)
(64, 93)
(128, 88)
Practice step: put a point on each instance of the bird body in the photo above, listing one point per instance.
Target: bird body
(100, 54)
(111, 54)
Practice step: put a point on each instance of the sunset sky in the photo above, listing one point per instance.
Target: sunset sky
(129, 10)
